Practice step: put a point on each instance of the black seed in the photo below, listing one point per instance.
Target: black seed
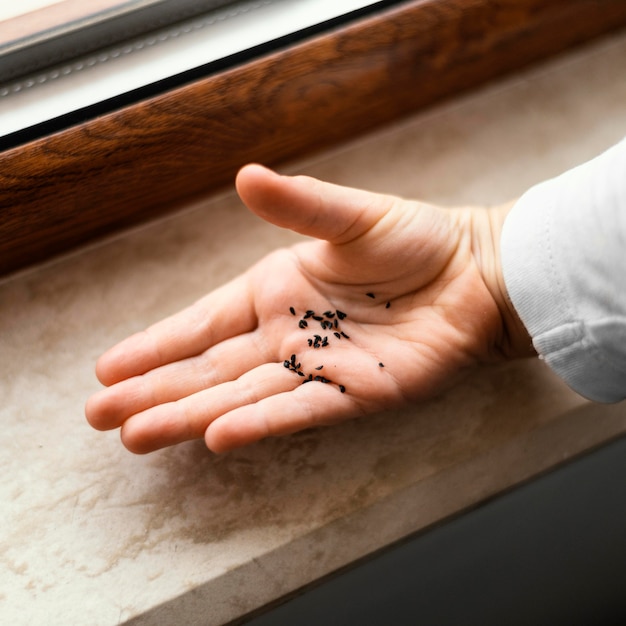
(369, 294)
(308, 314)
(329, 314)
(293, 359)
(308, 380)
(310, 342)
(344, 335)
(310, 376)
(300, 373)
(336, 324)
(292, 310)
(324, 342)
(302, 324)
(381, 365)
(387, 305)
(342, 389)
(286, 364)
(341, 315)
(319, 368)
(337, 335)
(318, 318)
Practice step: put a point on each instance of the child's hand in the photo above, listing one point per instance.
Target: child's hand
(405, 296)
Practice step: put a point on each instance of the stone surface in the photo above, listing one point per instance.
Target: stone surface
(91, 534)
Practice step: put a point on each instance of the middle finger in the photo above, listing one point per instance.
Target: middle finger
(226, 361)
(189, 417)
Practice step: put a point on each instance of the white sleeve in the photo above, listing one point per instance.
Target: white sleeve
(563, 249)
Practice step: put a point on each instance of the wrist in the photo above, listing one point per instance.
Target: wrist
(517, 341)
(485, 225)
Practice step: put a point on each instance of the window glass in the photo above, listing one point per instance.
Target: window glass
(39, 33)
(104, 54)
(12, 9)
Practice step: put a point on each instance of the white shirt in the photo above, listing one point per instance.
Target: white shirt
(563, 249)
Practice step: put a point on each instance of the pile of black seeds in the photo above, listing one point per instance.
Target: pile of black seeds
(328, 321)
(291, 365)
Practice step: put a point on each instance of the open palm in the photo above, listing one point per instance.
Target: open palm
(386, 306)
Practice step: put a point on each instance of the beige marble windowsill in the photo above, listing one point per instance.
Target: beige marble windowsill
(92, 534)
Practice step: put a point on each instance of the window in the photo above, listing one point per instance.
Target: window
(138, 127)
(57, 58)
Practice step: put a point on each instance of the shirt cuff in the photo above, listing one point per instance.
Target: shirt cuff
(555, 279)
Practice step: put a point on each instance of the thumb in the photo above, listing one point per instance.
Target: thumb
(309, 206)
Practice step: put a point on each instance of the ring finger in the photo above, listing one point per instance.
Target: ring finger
(188, 418)
(226, 361)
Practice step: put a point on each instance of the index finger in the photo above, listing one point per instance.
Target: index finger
(224, 313)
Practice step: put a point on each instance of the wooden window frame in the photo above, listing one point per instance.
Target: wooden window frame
(145, 159)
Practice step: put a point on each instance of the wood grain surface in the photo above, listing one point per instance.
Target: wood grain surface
(133, 164)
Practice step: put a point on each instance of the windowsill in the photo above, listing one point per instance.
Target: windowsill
(95, 535)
